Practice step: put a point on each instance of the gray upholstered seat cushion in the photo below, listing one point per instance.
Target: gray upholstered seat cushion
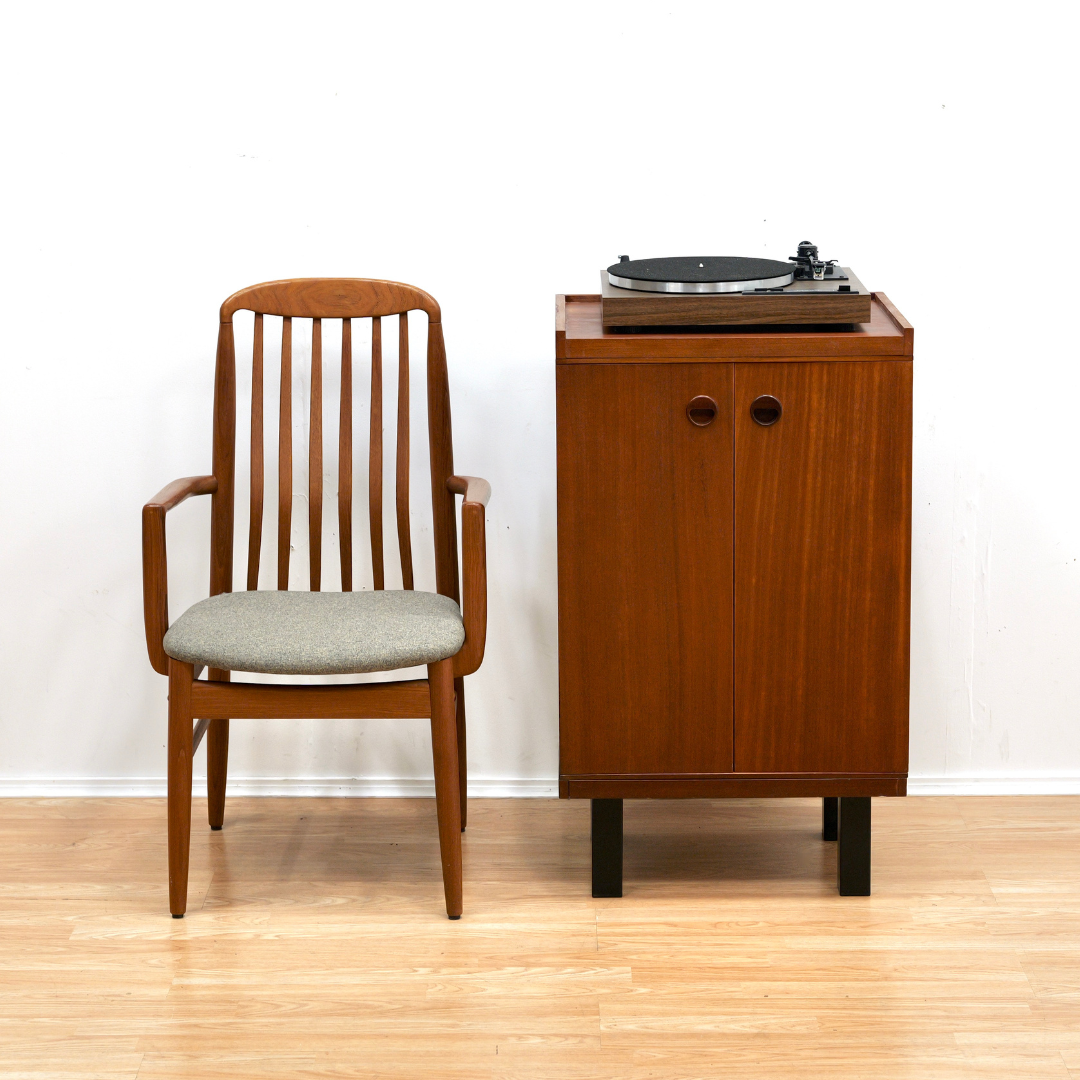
(321, 633)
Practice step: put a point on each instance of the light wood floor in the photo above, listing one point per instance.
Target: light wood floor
(316, 944)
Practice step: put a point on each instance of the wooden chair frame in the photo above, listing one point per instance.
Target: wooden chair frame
(441, 696)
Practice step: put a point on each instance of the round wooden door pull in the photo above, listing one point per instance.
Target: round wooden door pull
(766, 410)
(701, 411)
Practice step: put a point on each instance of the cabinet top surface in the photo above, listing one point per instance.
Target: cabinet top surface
(581, 338)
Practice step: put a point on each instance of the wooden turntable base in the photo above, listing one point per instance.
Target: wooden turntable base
(805, 302)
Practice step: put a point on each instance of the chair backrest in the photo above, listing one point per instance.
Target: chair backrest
(318, 299)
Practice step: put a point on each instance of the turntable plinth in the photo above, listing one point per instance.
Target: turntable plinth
(734, 533)
(803, 302)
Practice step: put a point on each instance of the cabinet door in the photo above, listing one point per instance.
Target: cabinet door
(822, 568)
(645, 570)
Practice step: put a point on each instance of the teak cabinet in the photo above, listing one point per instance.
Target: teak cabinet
(734, 522)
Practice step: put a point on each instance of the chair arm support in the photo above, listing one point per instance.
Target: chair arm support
(474, 570)
(155, 564)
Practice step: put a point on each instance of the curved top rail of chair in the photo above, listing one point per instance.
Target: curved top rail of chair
(331, 298)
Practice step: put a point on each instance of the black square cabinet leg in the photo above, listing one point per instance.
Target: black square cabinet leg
(607, 847)
(829, 810)
(853, 852)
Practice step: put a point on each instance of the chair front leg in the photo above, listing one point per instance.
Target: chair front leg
(444, 750)
(181, 677)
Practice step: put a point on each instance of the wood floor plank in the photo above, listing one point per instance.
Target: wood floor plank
(316, 943)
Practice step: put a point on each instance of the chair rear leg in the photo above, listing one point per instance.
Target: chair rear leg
(463, 767)
(217, 760)
(181, 677)
(444, 749)
(217, 768)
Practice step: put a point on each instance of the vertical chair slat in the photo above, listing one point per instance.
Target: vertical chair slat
(315, 467)
(285, 456)
(345, 458)
(441, 450)
(375, 456)
(221, 507)
(404, 535)
(257, 472)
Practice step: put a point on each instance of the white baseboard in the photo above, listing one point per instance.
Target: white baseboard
(421, 788)
(994, 785)
(295, 786)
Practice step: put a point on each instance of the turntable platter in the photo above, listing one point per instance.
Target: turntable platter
(702, 274)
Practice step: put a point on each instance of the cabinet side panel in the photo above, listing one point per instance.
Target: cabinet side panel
(645, 569)
(823, 568)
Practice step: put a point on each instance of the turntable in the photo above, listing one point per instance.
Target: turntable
(727, 291)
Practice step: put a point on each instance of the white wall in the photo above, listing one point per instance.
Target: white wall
(156, 158)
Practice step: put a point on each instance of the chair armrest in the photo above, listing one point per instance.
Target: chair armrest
(155, 564)
(473, 488)
(476, 493)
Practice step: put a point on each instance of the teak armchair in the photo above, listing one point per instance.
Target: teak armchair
(303, 633)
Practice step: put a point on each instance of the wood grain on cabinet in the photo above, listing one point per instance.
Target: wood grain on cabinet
(580, 338)
(731, 785)
(822, 566)
(645, 569)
